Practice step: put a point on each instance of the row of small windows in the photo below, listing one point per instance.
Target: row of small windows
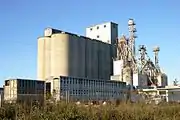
(91, 83)
(30, 91)
(31, 84)
(114, 26)
(98, 27)
(81, 92)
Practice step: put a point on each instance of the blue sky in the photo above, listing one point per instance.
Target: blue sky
(22, 21)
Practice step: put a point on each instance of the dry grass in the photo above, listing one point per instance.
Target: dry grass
(62, 111)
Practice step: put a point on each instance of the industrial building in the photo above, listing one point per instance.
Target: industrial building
(168, 94)
(98, 66)
(67, 54)
(101, 56)
(83, 89)
(87, 59)
(136, 69)
(24, 90)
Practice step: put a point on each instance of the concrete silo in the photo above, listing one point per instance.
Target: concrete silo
(68, 54)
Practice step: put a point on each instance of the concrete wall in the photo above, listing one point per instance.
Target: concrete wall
(173, 95)
(117, 67)
(10, 90)
(72, 55)
(60, 54)
(40, 57)
(47, 56)
(106, 32)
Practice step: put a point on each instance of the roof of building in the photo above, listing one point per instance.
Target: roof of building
(72, 34)
(101, 24)
(95, 79)
(161, 89)
(22, 79)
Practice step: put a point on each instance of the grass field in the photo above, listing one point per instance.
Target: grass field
(63, 111)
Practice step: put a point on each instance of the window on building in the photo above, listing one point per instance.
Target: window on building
(84, 83)
(22, 83)
(97, 27)
(91, 29)
(104, 26)
(97, 36)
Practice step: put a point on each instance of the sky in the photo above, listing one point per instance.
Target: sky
(23, 21)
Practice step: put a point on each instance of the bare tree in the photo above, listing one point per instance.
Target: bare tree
(175, 82)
